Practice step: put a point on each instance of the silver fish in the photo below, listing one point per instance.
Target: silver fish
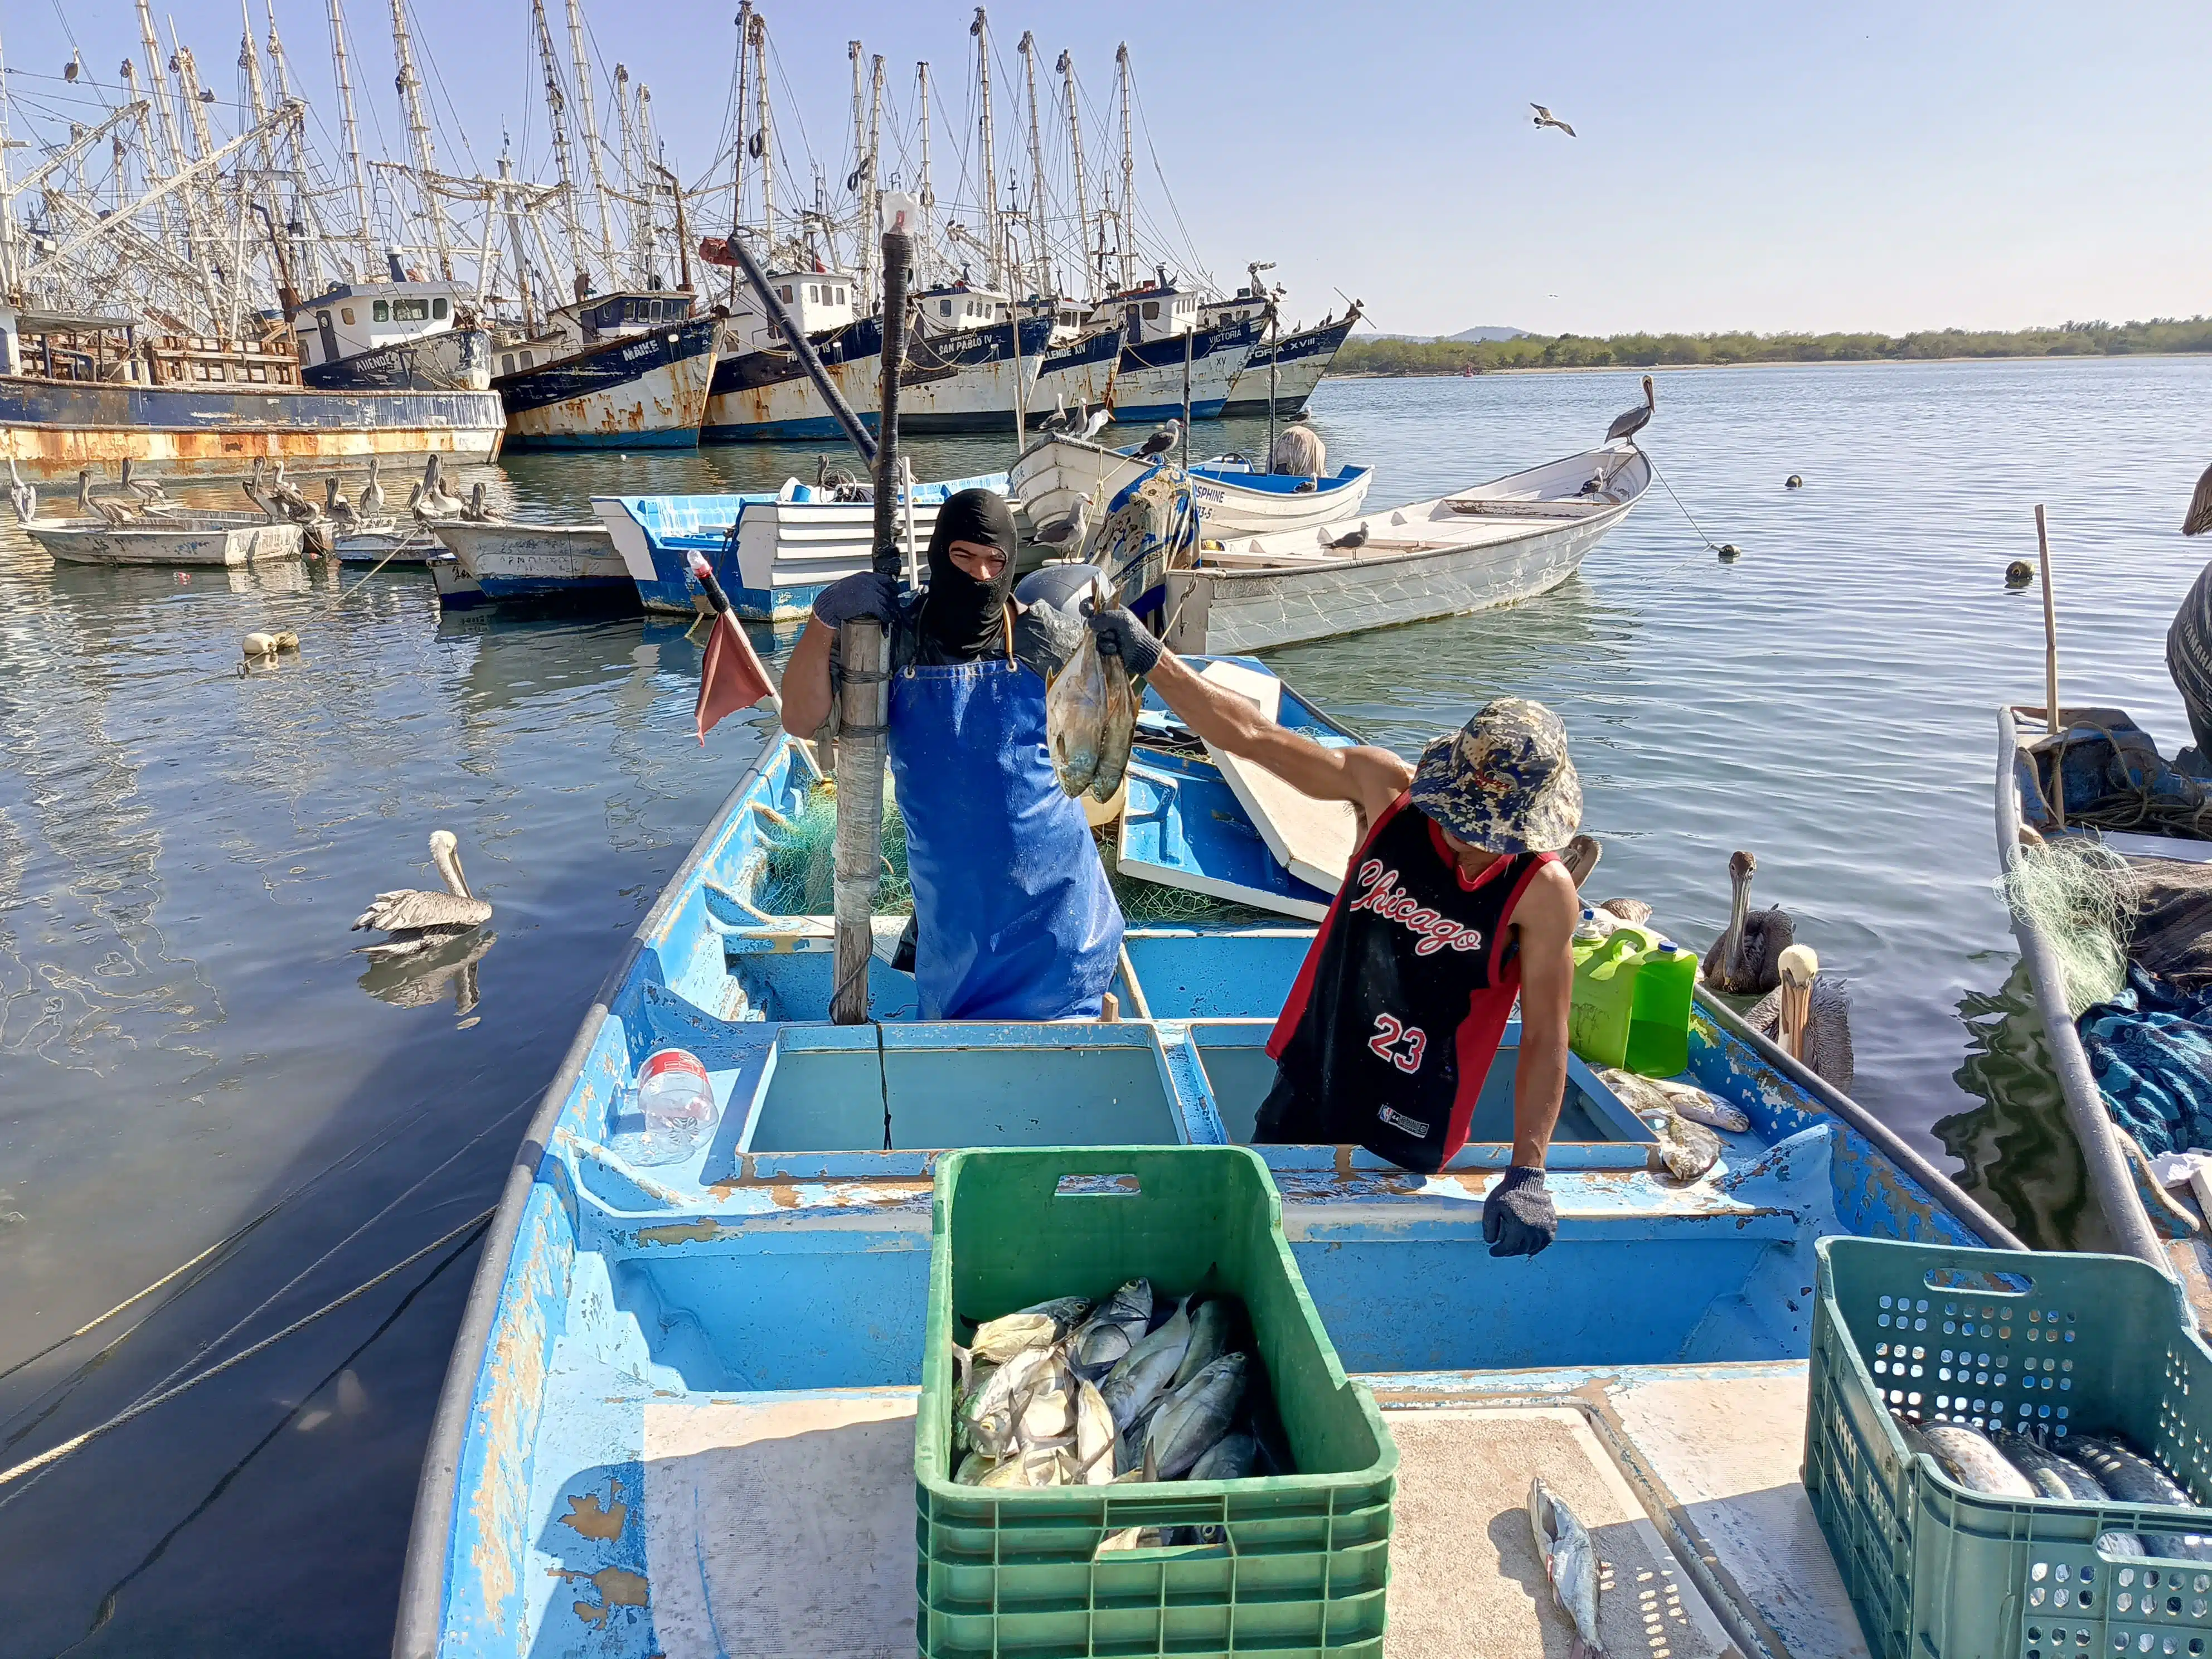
(2134, 1478)
(1194, 1419)
(973, 1468)
(1075, 713)
(1066, 1312)
(1964, 1453)
(1698, 1106)
(2050, 1473)
(1147, 1369)
(1685, 1149)
(1094, 1435)
(1209, 1339)
(998, 1340)
(1231, 1459)
(1129, 1444)
(996, 1409)
(1117, 730)
(1105, 1339)
(1048, 1413)
(1570, 1560)
(1030, 1468)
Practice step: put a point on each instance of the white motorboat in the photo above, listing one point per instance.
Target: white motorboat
(1234, 498)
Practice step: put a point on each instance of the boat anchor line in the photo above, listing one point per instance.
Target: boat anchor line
(54, 1455)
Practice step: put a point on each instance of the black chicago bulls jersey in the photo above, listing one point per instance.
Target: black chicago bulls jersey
(1402, 999)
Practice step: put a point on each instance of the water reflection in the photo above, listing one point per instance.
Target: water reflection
(416, 981)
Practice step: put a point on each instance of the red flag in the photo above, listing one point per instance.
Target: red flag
(730, 676)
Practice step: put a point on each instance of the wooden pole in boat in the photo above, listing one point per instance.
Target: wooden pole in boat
(1021, 392)
(864, 662)
(1189, 335)
(2051, 719)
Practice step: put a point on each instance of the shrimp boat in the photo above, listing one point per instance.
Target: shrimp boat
(679, 1418)
(1490, 544)
(1172, 359)
(616, 371)
(1233, 496)
(2169, 1230)
(1299, 360)
(773, 553)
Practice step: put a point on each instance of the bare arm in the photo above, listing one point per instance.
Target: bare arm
(806, 680)
(1543, 922)
(1371, 779)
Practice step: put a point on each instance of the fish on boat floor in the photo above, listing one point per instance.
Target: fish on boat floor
(819, 1485)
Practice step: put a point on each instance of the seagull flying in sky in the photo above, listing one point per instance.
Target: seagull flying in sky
(1546, 118)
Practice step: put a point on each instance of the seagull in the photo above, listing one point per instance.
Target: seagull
(1546, 118)
(1162, 440)
(371, 503)
(413, 921)
(116, 515)
(1068, 530)
(1628, 425)
(344, 519)
(1352, 540)
(1097, 423)
(23, 497)
(2199, 518)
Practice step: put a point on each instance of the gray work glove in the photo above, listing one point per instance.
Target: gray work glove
(1518, 1217)
(852, 597)
(1121, 635)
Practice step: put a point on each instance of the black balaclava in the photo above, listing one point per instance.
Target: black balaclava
(961, 617)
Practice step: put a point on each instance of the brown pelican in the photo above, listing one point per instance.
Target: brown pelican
(1545, 118)
(1634, 912)
(435, 502)
(372, 494)
(114, 513)
(148, 490)
(290, 501)
(337, 508)
(1808, 1015)
(254, 492)
(414, 920)
(1746, 958)
(476, 511)
(1628, 425)
(23, 497)
(832, 480)
(2199, 518)
(1580, 857)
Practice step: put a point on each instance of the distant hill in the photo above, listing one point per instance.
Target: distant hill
(1466, 336)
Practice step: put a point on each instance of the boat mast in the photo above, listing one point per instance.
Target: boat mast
(651, 241)
(870, 206)
(633, 186)
(209, 255)
(418, 134)
(351, 128)
(1128, 222)
(7, 203)
(764, 135)
(249, 72)
(309, 242)
(1066, 68)
(588, 132)
(924, 240)
(1042, 255)
(864, 243)
(167, 159)
(980, 28)
(556, 117)
(515, 241)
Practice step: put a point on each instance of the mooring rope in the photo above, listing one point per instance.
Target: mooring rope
(54, 1455)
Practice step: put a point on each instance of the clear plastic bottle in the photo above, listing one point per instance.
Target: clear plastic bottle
(1587, 929)
(674, 1109)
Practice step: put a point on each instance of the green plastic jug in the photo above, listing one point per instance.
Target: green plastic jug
(1604, 993)
(1659, 1011)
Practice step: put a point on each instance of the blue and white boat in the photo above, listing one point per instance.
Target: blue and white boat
(679, 1418)
(620, 371)
(1298, 360)
(772, 553)
(1169, 350)
(1234, 497)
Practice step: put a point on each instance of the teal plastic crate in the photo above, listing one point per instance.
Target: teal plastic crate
(1304, 1561)
(2072, 1344)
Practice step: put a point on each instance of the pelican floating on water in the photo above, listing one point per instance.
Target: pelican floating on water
(416, 921)
(1808, 1017)
(1746, 958)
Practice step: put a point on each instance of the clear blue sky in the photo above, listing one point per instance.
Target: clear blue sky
(1883, 166)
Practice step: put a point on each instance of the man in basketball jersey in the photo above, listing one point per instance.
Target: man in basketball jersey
(1454, 903)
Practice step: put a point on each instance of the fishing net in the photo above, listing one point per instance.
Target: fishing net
(797, 870)
(2079, 895)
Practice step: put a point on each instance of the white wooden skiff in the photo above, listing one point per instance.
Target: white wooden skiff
(201, 539)
(1490, 544)
(1232, 499)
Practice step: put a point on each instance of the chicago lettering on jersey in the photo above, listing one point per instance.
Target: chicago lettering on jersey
(1380, 893)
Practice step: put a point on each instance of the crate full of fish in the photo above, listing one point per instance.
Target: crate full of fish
(2007, 1452)
(1134, 1435)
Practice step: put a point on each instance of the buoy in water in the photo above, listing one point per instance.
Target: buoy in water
(259, 645)
(2018, 573)
(1729, 552)
(1793, 482)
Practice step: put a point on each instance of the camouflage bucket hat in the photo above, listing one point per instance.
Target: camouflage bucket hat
(1503, 781)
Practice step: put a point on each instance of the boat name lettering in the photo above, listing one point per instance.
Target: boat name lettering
(1204, 493)
(1380, 893)
(644, 349)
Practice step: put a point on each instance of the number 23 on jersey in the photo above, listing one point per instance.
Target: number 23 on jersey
(1399, 1043)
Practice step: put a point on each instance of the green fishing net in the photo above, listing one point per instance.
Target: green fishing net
(2075, 892)
(798, 870)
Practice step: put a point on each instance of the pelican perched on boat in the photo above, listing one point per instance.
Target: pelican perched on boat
(148, 490)
(23, 497)
(1580, 856)
(1634, 421)
(434, 503)
(1746, 958)
(372, 494)
(476, 511)
(290, 501)
(255, 493)
(114, 513)
(1808, 1017)
(414, 920)
(337, 509)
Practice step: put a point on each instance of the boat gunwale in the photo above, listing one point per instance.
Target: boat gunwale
(2110, 1177)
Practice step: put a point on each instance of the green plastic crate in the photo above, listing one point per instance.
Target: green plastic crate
(2077, 1343)
(1305, 1562)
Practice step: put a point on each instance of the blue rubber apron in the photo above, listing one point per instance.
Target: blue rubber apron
(1015, 919)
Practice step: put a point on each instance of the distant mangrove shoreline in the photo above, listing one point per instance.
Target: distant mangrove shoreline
(2162, 336)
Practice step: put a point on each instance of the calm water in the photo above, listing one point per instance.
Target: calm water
(189, 1050)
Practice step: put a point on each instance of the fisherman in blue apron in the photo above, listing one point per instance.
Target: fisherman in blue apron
(1014, 918)
(1454, 905)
